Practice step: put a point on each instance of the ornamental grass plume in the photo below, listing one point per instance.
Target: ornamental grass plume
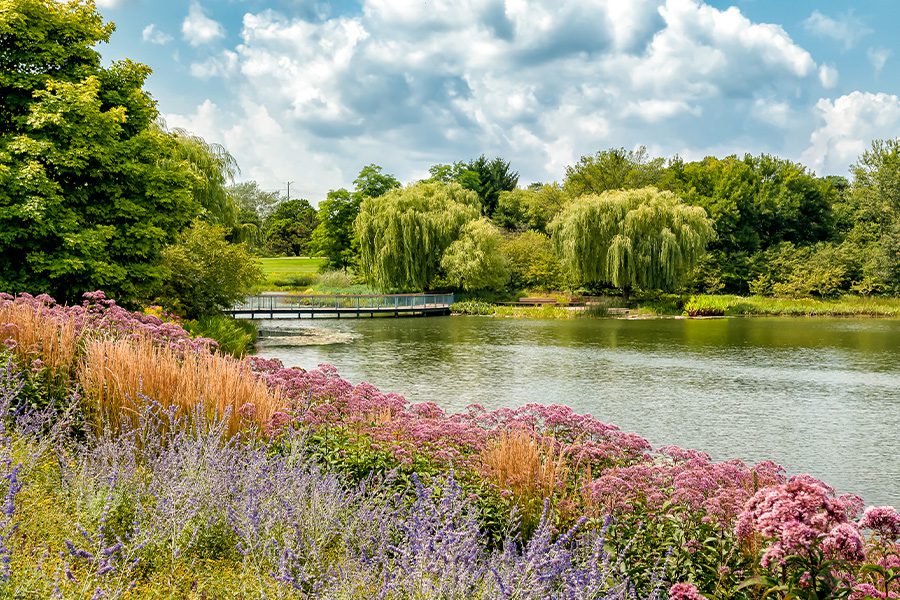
(528, 467)
(118, 377)
(33, 329)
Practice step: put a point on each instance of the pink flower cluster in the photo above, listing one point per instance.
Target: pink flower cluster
(884, 520)
(796, 515)
(685, 591)
(101, 315)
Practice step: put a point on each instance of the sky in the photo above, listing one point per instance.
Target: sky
(310, 92)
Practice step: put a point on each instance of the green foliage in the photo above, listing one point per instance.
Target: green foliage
(473, 307)
(213, 168)
(333, 237)
(371, 182)
(532, 208)
(234, 336)
(91, 189)
(487, 178)
(633, 239)
(533, 262)
(289, 228)
(474, 261)
(404, 233)
(205, 273)
(614, 169)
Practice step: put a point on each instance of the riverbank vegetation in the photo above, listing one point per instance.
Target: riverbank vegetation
(177, 470)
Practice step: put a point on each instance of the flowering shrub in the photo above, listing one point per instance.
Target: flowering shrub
(342, 489)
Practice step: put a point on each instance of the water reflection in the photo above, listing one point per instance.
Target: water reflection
(817, 395)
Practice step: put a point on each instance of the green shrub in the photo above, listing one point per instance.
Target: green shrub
(234, 336)
(473, 307)
(533, 263)
(708, 306)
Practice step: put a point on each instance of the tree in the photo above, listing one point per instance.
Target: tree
(632, 239)
(614, 169)
(205, 273)
(474, 261)
(213, 169)
(333, 237)
(91, 189)
(531, 208)
(875, 197)
(254, 207)
(371, 182)
(487, 178)
(289, 229)
(403, 234)
(533, 262)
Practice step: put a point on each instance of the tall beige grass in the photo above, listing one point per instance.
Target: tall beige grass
(529, 468)
(38, 335)
(118, 378)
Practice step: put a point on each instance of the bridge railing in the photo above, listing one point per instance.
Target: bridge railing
(276, 302)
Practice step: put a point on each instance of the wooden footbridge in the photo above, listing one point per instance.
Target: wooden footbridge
(337, 306)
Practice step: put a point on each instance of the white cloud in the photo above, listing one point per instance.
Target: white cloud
(406, 84)
(275, 154)
(153, 35)
(847, 29)
(828, 75)
(878, 57)
(848, 125)
(222, 65)
(198, 29)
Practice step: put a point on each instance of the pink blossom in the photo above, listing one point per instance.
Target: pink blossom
(685, 591)
(884, 520)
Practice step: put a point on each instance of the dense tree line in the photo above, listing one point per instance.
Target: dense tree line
(96, 193)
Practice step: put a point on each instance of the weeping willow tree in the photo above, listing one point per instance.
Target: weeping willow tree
(640, 238)
(403, 234)
(213, 169)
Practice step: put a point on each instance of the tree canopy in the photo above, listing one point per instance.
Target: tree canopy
(403, 234)
(289, 229)
(614, 169)
(632, 238)
(475, 261)
(91, 188)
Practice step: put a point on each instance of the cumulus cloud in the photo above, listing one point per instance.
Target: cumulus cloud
(407, 84)
(199, 29)
(153, 35)
(847, 125)
(847, 29)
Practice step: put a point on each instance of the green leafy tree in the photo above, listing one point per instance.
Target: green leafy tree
(756, 203)
(531, 208)
(632, 238)
(474, 261)
(205, 273)
(333, 237)
(614, 169)
(371, 182)
(254, 207)
(875, 200)
(533, 262)
(91, 189)
(289, 229)
(403, 234)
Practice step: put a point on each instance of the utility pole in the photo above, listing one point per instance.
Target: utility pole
(289, 189)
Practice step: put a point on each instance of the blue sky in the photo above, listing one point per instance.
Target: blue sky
(311, 91)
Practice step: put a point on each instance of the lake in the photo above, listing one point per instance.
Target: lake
(819, 396)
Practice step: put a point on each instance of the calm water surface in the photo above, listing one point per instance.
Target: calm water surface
(819, 396)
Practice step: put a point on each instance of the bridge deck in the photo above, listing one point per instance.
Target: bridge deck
(274, 306)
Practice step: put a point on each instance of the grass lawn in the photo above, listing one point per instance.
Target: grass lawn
(280, 271)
